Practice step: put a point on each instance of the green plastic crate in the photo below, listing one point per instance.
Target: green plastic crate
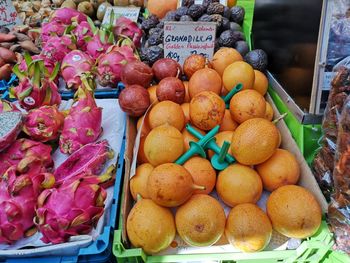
(314, 249)
(306, 136)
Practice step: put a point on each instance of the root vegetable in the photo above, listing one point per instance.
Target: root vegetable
(5, 72)
(16, 48)
(7, 37)
(21, 37)
(6, 45)
(86, 8)
(29, 46)
(7, 55)
(57, 3)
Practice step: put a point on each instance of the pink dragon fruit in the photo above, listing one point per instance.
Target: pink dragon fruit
(44, 124)
(128, 28)
(57, 48)
(89, 159)
(83, 123)
(73, 208)
(99, 43)
(22, 152)
(50, 66)
(36, 85)
(6, 106)
(67, 16)
(82, 32)
(11, 125)
(73, 66)
(110, 64)
(51, 29)
(18, 199)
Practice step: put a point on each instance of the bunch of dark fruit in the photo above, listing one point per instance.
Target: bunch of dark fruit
(228, 26)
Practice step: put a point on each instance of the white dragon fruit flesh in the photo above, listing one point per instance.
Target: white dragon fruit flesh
(10, 127)
(73, 208)
(74, 65)
(18, 199)
(44, 124)
(89, 159)
(83, 123)
(110, 64)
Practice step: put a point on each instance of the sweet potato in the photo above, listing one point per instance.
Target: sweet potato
(5, 72)
(29, 46)
(7, 37)
(7, 44)
(21, 37)
(7, 55)
(2, 62)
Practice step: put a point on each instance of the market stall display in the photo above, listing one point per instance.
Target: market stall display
(210, 166)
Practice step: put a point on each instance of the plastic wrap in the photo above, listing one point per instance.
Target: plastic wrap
(339, 209)
(323, 164)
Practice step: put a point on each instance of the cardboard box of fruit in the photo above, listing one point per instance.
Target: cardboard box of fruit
(306, 180)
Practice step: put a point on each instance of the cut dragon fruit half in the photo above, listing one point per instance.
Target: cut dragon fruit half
(89, 159)
(10, 126)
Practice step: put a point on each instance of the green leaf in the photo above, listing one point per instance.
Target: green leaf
(91, 23)
(55, 72)
(18, 73)
(37, 74)
(28, 59)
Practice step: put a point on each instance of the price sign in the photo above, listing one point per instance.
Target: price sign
(128, 11)
(182, 39)
(8, 15)
(199, 2)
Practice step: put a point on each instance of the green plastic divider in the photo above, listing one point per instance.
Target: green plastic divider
(315, 249)
(306, 136)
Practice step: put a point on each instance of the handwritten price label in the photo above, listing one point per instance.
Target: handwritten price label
(8, 15)
(129, 12)
(182, 39)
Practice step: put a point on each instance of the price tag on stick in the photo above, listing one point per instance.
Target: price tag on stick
(130, 12)
(8, 15)
(182, 39)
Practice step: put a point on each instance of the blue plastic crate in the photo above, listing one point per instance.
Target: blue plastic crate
(100, 251)
(99, 94)
(5, 86)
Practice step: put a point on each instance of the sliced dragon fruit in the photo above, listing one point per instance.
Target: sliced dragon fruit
(89, 159)
(10, 126)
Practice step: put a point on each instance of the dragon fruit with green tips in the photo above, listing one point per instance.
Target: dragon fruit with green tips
(52, 29)
(49, 65)
(89, 159)
(36, 85)
(44, 124)
(82, 33)
(74, 65)
(73, 208)
(110, 64)
(99, 43)
(83, 123)
(67, 16)
(24, 151)
(127, 28)
(56, 49)
(18, 199)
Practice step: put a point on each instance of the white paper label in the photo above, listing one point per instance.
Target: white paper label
(8, 15)
(182, 39)
(328, 77)
(129, 12)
